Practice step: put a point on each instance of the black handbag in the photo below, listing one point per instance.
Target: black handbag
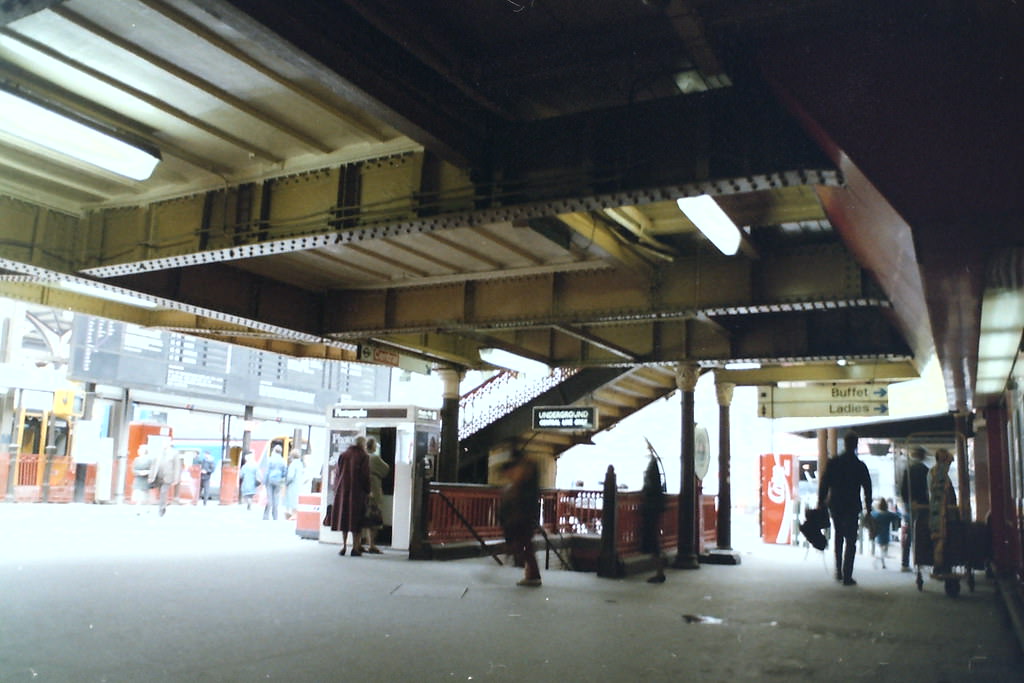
(812, 527)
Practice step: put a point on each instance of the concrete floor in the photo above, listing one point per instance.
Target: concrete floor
(99, 593)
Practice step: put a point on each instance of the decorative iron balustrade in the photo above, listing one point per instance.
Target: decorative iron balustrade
(501, 394)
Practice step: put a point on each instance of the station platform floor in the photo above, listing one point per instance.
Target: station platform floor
(214, 593)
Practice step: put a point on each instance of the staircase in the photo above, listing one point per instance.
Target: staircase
(501, 409)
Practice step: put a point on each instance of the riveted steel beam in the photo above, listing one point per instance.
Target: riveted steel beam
(228, 294)
(173, 233)
(233, 331)
(815, 278)
(853, 370)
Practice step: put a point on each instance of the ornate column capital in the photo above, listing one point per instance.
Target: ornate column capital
(450, 378)
(687, 375)
(724, 392)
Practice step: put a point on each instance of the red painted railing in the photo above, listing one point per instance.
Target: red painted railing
(26, 485)
(629, 520)
(565, 512)
(477, 504)
(575, 511)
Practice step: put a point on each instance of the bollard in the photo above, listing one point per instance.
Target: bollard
(608, 564)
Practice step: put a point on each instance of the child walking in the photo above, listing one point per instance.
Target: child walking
(884, 522)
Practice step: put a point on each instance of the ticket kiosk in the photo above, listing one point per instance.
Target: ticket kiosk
(409, 439)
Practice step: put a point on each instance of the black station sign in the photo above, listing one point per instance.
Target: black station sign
(565, 417)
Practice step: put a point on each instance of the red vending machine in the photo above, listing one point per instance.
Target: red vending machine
(778, 489)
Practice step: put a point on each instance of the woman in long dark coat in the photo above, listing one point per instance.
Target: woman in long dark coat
(351, 489)
(652, 507)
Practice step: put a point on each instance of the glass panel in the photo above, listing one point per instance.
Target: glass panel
(32, 434)
(59, 437)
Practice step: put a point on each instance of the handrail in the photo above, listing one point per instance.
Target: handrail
(501, 394)
(464, 512)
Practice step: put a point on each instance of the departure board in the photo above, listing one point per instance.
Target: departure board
(121, 354)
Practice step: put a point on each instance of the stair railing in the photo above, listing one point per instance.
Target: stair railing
(501, 394)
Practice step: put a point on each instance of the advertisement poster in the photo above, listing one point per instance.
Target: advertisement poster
(778, 483)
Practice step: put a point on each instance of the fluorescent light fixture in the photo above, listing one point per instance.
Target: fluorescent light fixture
(1002, 323)
(511, 361)
(743, 365)
(690, 81)
(41, 126)
(709, 218)
(117, 296)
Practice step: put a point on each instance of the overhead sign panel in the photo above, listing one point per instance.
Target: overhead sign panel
(369, 353)
(824, 400)
(565, 417)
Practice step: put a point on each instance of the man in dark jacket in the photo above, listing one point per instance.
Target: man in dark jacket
(844, 477)
(914, 492)
(206, 467)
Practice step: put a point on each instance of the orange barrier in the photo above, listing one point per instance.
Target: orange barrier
(308, 517)
(62, 481)
(228, 483)
(90, 484)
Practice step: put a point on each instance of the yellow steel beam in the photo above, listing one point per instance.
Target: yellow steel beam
(881, 371)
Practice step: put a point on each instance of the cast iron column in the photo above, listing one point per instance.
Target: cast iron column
(689, 519)
(724, 523)
(447, 469)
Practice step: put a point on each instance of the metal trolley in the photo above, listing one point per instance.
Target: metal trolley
(966, 548)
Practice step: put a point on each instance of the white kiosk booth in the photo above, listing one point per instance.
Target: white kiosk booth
(406, 435)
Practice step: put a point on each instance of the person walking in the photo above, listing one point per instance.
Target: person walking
(351, 491)
(378, 470)
(142, 464)
(163, 474)
(277, 470)
(839, 489)
(652, 506)
(520, 513)
(248, 479)
(293, 483)
(206, 467)
(914, 492)
(884, 523)
(943, 509)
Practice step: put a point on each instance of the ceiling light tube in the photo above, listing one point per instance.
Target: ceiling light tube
(707, 215)
(1002, 328)
(511, 361)
(41, 126)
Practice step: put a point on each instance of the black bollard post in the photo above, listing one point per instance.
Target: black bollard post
(608, 564)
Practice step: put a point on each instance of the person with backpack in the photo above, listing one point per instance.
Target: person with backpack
(277, 470)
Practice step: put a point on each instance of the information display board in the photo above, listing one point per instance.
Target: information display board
(121, 354)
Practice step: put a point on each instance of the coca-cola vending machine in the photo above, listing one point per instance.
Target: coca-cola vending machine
(778, 489)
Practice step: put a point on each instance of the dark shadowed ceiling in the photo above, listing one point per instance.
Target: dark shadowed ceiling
(413, 181)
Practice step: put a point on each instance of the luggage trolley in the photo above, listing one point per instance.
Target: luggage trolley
(953, 547)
